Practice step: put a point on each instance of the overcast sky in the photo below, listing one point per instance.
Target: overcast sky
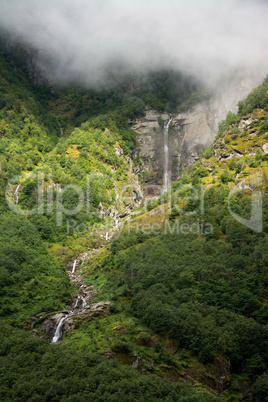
(84, 37)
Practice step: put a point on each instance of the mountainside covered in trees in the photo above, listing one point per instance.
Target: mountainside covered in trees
(183, 278)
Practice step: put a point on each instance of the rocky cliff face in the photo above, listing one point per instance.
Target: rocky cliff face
(189, 133)
(148, 156)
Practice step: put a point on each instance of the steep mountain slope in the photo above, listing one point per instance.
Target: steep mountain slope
(184, 281)
(36, 123)
(188, 280)
(191, 130)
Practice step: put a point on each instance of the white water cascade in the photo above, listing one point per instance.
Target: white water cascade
(16, 197)
(166, 154)
(74, 265)
(58, 333)
(80, 303)
(77, 301)
(84, 303)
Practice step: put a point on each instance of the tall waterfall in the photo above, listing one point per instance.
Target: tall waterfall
(166, 154)
(58, 333)
(16, 197)
(74, 265)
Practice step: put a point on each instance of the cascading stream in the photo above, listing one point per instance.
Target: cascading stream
(84, 303)
(16, 197)
(166, 155)
(74, 265)
(58, 333)
(79, 303)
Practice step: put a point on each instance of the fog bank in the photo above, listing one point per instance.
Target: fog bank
(82, 39)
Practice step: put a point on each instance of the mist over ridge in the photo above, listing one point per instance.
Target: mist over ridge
(82, 40)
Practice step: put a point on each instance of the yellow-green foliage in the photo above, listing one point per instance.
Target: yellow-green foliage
(239, 149)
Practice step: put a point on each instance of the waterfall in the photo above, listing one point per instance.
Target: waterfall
(106, 236)
(58, 333)
(74, 265)
(84, 303)
(77, 301)
(16, 197)
(166, 152)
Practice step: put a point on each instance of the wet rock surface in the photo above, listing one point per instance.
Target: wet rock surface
(80, 309)
(190, 132)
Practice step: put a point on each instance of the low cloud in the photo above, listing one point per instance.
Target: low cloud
(83, 39)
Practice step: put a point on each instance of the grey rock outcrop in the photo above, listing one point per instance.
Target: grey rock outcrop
(189, 133)
(196, 129)
(74, 319)
(149, 140)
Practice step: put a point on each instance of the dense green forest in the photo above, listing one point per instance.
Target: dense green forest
(190, 304)
(63, 132)
(204, 289)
